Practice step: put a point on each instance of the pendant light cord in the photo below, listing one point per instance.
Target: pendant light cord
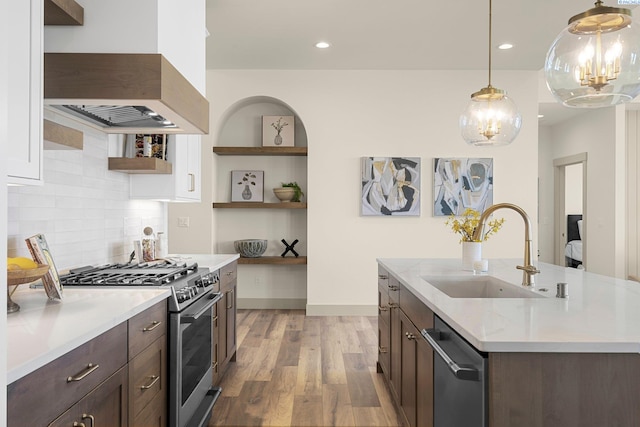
(489, 43)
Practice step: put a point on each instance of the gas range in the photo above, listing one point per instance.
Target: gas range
(188, 282)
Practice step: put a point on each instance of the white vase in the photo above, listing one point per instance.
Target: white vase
(471, 251)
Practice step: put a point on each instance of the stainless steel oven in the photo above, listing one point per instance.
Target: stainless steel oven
(190, 342)
(191, 395)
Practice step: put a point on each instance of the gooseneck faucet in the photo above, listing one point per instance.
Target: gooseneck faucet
(528, 269)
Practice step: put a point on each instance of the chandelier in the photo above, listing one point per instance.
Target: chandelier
(491, 117)
(594, 61)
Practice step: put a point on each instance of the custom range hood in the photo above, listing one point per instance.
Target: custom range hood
(124, 93)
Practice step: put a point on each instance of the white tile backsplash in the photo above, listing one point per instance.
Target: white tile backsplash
(83, 209)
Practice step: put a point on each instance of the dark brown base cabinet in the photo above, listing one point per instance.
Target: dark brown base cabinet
(224, 322)
(405, 359)
(116, 379)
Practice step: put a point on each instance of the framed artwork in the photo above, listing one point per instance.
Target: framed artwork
(247, 186)
(277, 131)
(390, 186)
(461, 183)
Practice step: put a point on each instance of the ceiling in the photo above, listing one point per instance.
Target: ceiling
(385, 34)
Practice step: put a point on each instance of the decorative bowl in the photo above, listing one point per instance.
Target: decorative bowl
(285, 194)
(26, 275)
(250, 248)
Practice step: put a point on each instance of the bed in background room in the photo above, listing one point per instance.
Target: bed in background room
(573, 248)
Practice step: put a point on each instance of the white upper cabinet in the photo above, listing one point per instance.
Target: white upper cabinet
(183, 184)
(24, 146)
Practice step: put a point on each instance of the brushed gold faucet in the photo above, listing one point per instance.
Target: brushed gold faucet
(528, 269)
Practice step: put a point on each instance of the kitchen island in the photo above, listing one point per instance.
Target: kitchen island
(551, 361)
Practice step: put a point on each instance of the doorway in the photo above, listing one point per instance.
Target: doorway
(570, 211)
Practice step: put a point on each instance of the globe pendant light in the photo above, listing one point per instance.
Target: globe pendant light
(491, 118)
(594, 62)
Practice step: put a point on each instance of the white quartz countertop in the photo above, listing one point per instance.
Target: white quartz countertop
(44, 329)
(601, 314)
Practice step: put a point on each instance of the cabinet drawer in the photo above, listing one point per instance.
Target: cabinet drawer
(148, 379)
(383, 276)
(39, 397)
(383, 304)
(394, 290)
(228, 275)
(104, 406)
(416, 310)
(146, 327)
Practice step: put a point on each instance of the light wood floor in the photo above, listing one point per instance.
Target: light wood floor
(293, 370)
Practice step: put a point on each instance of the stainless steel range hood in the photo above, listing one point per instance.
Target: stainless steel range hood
(124, 93)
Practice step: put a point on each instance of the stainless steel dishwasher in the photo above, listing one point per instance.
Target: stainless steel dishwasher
(459, 379)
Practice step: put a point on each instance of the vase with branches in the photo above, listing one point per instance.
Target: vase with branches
(278, 127)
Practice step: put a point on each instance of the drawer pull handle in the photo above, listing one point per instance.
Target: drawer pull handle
(215, 366)
(229, 273)
(382, 349)
(381, 308)
(154, 325)
(393, 305)
(90, 368)
(81, 424)
(154, 379)
(382, 277)
(409, 336)
(93, 420)
(393, 288)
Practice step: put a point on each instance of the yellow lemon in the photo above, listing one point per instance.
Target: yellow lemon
(21, 262)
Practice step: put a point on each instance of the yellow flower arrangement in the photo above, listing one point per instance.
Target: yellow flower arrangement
(469, 221)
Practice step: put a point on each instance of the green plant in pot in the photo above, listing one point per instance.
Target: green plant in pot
(297, 190)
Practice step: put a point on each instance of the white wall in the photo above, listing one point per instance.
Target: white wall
(573, 189)
(545, 195)
(599, 134)
(350, 114)
(83, 209)
(4, 106)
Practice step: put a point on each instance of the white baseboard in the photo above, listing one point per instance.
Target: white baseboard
(272, 303)
(342, 310)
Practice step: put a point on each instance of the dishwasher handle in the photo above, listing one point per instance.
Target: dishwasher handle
(460, 371)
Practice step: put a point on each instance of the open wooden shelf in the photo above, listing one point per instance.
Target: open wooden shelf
(63, 12)
(148, 165)
(274, 260)
(256, 205)
(260, 151)
(59, 137)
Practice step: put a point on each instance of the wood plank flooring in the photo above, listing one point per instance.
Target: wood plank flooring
(293, 370)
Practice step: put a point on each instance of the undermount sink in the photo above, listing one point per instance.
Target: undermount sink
(478, 287)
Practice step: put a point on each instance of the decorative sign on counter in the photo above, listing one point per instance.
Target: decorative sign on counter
(40, 252)
(289, 248)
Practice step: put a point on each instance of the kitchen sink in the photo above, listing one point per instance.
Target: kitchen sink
(478, 287)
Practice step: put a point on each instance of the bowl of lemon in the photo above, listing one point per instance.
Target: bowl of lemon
(22, 270)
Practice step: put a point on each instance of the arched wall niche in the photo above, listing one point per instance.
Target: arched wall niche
(241, 123)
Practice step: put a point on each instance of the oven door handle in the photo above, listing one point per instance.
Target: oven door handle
(200, 308)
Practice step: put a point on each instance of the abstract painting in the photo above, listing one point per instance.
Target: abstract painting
(391, 186)
(278, 131)
(461, 183)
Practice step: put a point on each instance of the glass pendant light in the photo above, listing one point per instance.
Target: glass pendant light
(595, 62)
(491, 117)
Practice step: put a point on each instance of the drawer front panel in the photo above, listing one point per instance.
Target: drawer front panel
(228, 275)
(39, 397)
(104, 406)
(147, 377)
(383, 304)
(147, 327)
(416, 310)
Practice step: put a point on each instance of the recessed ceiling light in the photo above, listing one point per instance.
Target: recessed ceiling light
(504, 46)
(540, 116)
(322, 45)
